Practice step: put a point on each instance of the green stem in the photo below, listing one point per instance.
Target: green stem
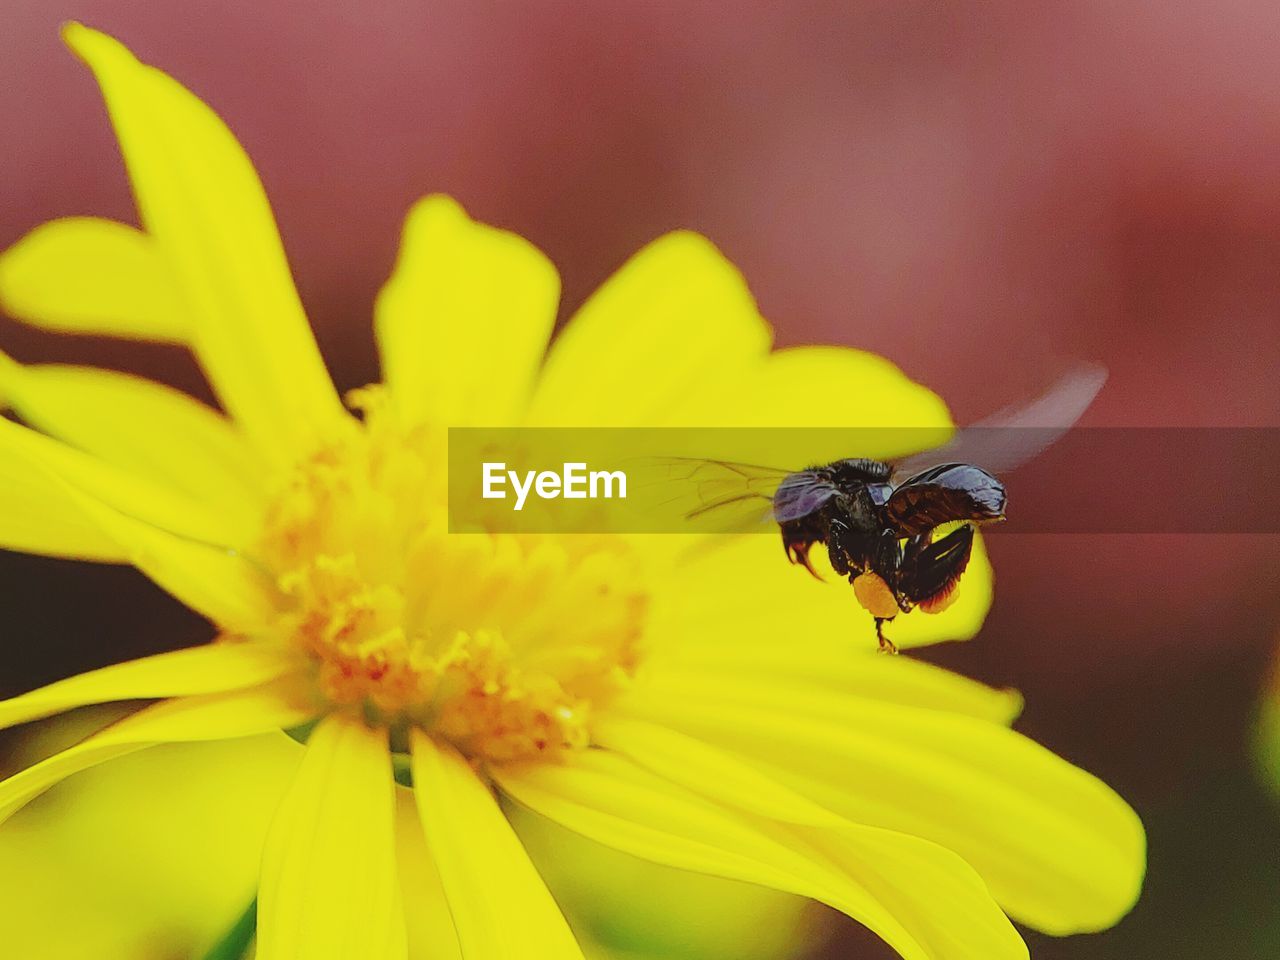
(235, 944)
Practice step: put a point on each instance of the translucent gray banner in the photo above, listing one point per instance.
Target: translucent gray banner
(1088, 480)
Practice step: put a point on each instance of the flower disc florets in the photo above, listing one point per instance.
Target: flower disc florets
(503, 643)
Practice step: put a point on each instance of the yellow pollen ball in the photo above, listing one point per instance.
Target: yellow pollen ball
(875, 596)
(504, 644)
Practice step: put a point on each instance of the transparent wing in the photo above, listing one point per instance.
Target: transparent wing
(724, 494)
(1014, 435)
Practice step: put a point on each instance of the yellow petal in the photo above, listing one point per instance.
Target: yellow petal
(131, 494)
(148, 429)
(829, 680)
(848, 403)
(661, 339)
(329, 888)
(836, 387)
(75, 494)
(157, 848)
(463, 322)
(84, 275)
(428, 922)
(675, 339)
(699, 767)
(201, 202)
(42, 516)
(501, 908)
(218, 716)
(211, 668)
(611, 800)
(660, 911)
(1059, 850)
(223, 585)
(937, 896)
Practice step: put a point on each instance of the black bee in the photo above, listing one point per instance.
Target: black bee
(881, 522)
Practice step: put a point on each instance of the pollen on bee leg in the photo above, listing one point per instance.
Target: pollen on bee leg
(875, 596)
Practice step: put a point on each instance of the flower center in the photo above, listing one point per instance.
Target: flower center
(502, 643)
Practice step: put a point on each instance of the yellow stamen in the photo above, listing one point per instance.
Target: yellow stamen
(502, 643)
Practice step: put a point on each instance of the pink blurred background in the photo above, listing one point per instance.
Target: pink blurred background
(985, 193)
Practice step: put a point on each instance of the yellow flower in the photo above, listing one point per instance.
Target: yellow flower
(112, 856)
(708, 710)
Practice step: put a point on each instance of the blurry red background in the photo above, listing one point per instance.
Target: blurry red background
(985, 193)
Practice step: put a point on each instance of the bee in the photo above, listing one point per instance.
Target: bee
(901, 532)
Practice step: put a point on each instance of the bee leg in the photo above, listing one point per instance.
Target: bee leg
(931, 569)
(798, 552)
(840, 550)
(886, 645)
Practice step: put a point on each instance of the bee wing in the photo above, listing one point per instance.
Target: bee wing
(948, 492)
(1014, 435)
(738, 496)
(800, 494)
